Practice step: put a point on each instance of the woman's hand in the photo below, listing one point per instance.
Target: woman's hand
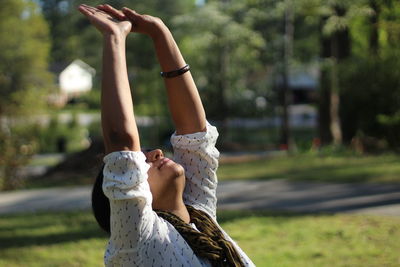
(185, 104)
(104, 22)
(144, 24)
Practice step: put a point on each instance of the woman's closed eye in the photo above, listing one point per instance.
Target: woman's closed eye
(147, 150)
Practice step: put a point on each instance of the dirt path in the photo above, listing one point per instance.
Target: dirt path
(271, 195)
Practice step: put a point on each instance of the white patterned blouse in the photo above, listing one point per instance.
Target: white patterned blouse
(138, 236)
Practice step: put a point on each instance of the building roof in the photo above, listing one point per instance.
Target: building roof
(83, 65)
(59, 67)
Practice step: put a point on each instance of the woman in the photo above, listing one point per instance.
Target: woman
(158, 211)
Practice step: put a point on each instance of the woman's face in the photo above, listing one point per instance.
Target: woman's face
(166, 179)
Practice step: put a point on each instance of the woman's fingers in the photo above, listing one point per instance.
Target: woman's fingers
(90, 9)
(132, 16)
(112, 11)
(130, 13)
(85, 11)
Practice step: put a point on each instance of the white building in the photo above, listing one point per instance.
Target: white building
(73, 80)
(76, 78)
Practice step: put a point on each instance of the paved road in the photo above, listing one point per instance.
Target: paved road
(271, 195)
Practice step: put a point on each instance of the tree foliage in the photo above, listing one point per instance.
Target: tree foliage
(23, 55)
(23, 81)
(235, 48)
(223, 64)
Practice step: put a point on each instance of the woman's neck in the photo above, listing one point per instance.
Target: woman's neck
(181, 211)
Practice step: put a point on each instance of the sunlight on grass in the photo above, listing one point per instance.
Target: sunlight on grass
(74, 239)
(337, 240)
(306, 167)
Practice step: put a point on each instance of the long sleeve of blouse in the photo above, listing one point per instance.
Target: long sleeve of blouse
(138, 236)
(199, 157)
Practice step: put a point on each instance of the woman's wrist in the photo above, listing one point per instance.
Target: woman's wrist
(115, 38)
(160, 30)
(167, 51)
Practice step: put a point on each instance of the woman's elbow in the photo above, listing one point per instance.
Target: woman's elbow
(121, 140)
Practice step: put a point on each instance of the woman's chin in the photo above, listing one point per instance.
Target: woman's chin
(169, 170)
(177, 170)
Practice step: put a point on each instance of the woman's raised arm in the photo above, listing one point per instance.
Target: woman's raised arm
(183, 98)
(118, 122)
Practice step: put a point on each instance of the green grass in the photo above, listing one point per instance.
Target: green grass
(50, 239)
(73, 239)
(328, 240)
(46, 160)
(300, 167)
(311, 167)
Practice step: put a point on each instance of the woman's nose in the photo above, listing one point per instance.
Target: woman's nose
(155, 155)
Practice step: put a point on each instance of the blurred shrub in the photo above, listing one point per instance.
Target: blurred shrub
(370, 99)
(94, 130)
(17, 145)
(62, 137)
(156, 135)
(91, 99)
(24, 83)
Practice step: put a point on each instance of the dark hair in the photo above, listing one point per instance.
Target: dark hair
(100, 203)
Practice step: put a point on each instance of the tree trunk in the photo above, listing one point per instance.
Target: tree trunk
(374, 35)
(335, 124)
(324, 102)
(286, 139)
(335, 48)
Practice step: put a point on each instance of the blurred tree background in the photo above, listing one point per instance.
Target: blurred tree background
(24, 80)
(242, 54)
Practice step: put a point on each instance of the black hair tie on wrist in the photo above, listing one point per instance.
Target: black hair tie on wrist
(174, 73)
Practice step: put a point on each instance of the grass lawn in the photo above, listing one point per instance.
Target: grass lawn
(48, 160)
(312, 167)
(73, 239)
(300, 167)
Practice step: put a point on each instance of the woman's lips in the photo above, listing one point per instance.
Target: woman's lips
(163, 162)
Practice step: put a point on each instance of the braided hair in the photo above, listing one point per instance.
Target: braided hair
(209, 242)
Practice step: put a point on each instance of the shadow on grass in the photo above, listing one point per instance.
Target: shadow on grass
(77, 226)
(43, 229)
(317, 168)
(49, 239)
(306, 197)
